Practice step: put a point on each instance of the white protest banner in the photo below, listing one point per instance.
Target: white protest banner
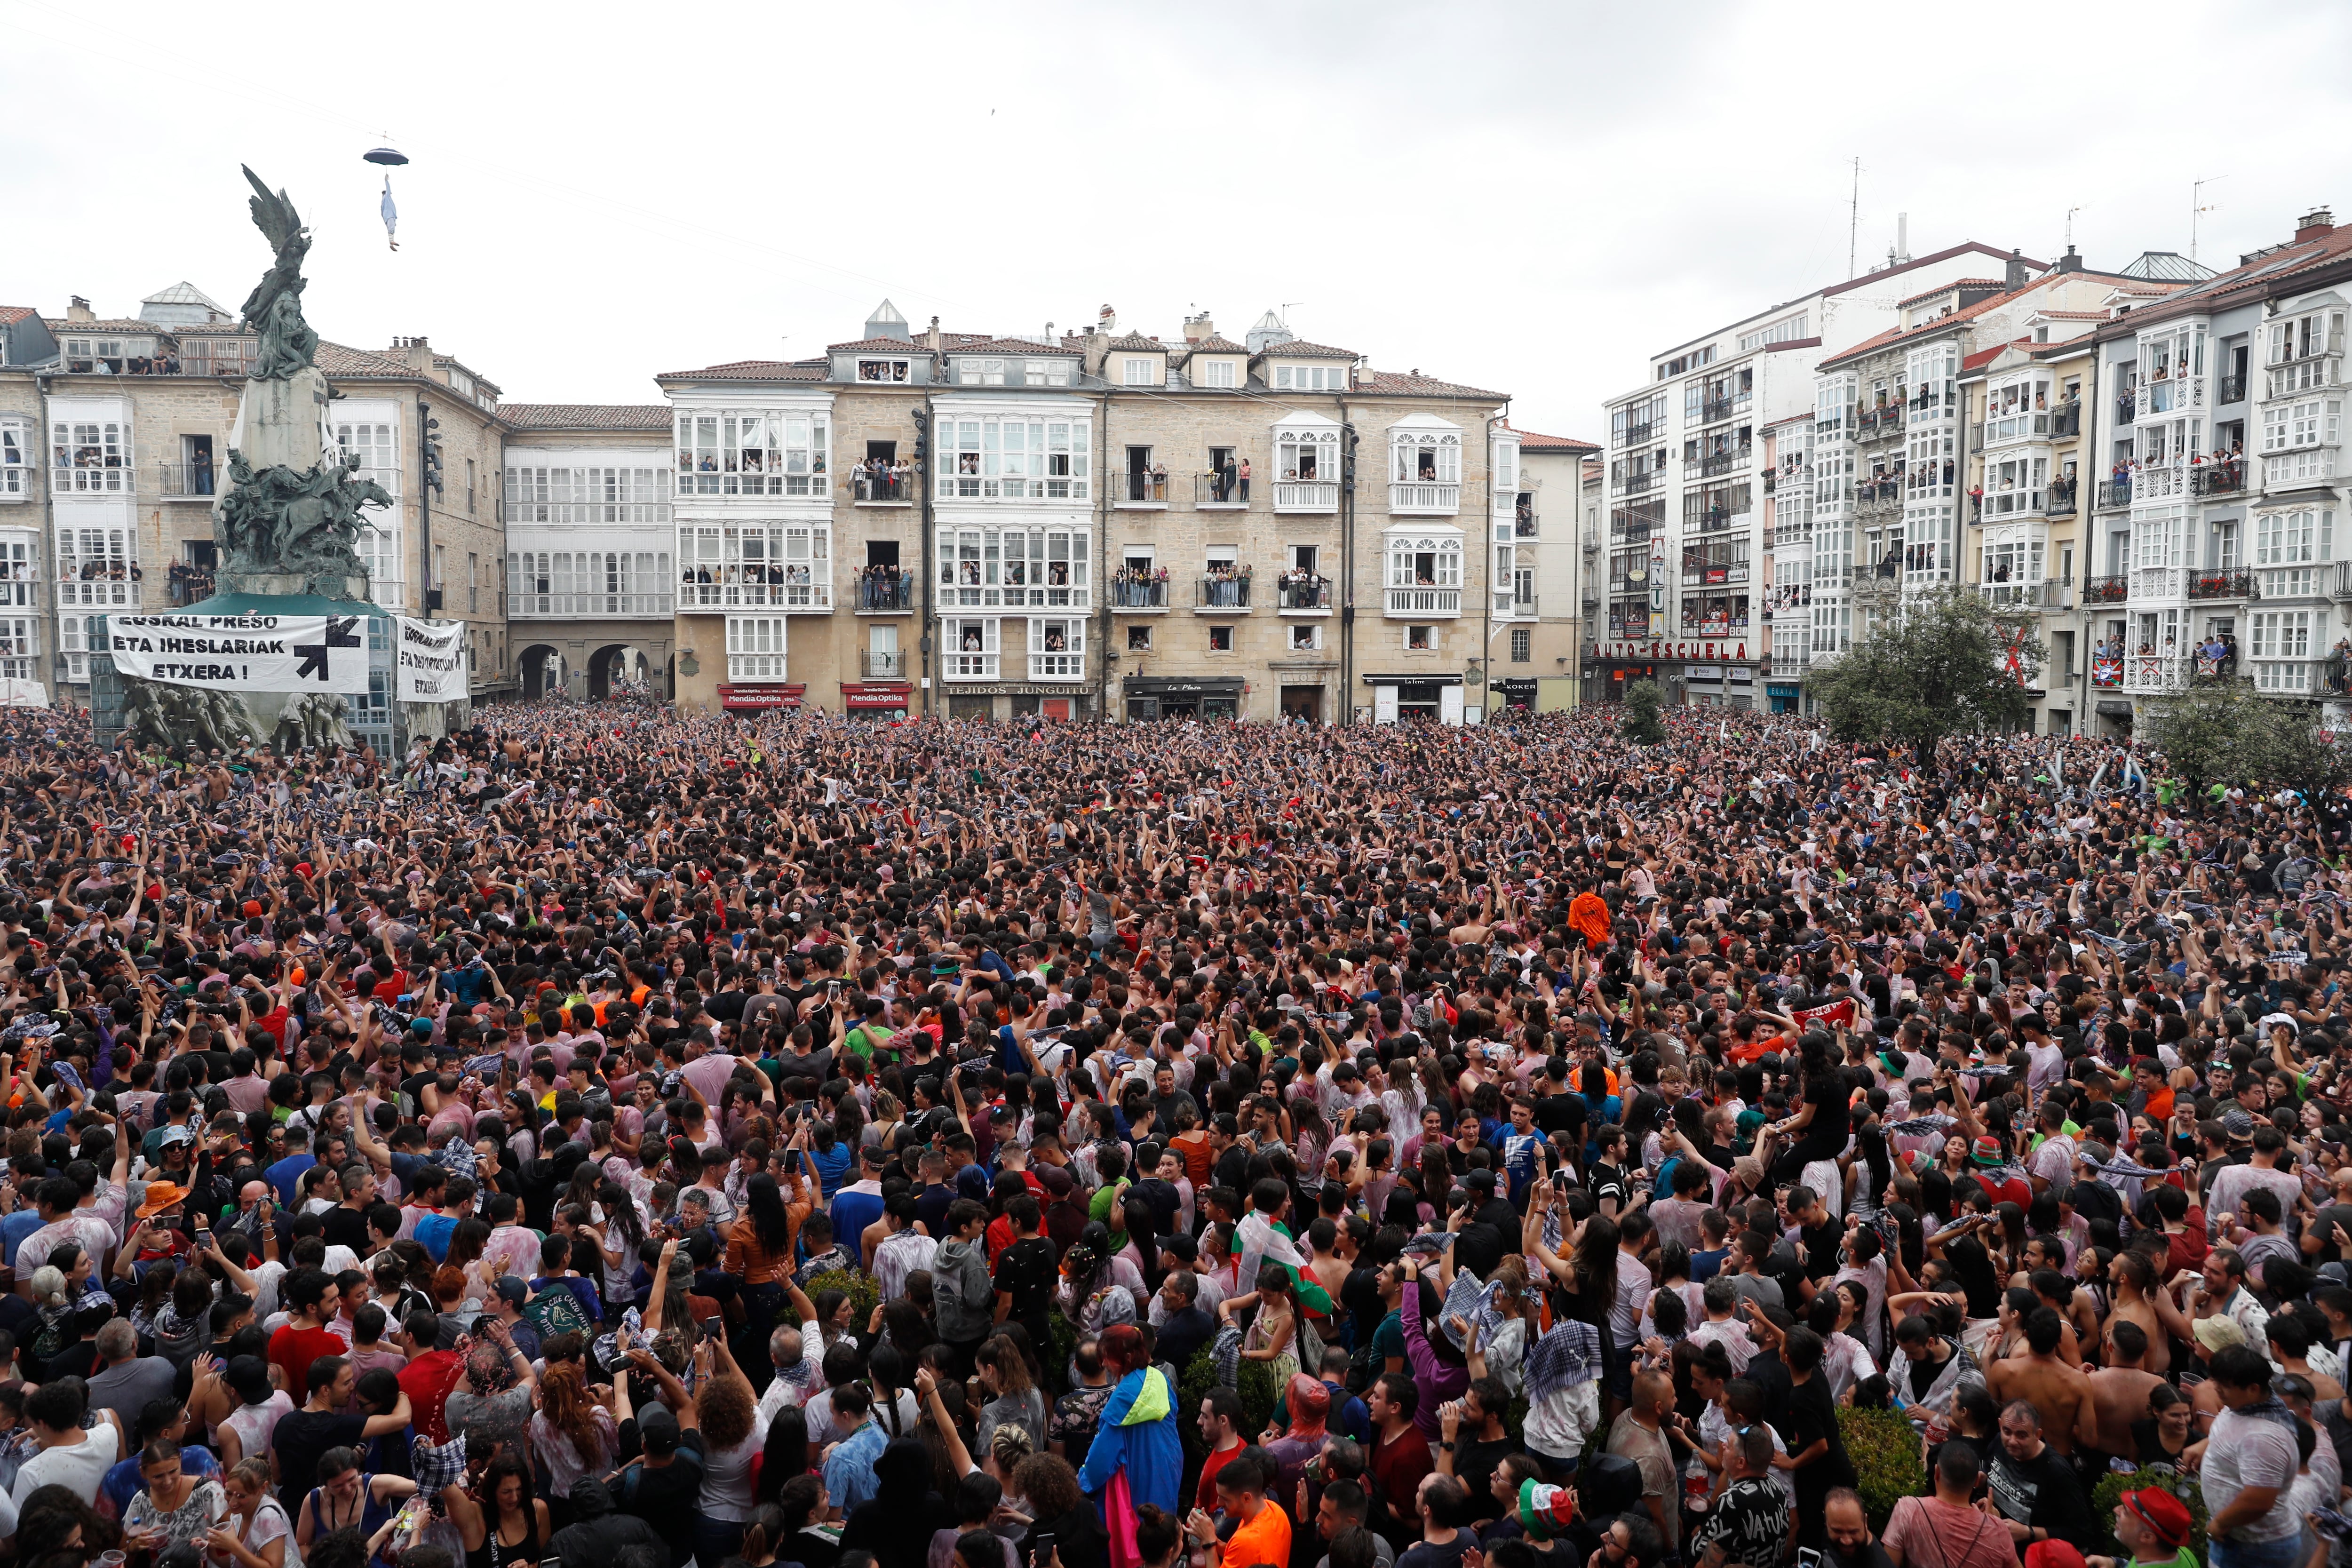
(243, 652)
(431, 657)
(15, 691)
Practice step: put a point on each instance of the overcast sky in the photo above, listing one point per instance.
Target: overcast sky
(1531, 198)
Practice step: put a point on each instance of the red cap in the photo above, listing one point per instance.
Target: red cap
(2162, 1512)
(2052, 1553)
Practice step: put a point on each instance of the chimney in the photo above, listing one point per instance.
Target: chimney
(1902, 238)
(1199, 328)
(418, 354)
(2014, 277)
(78, 310)
(932, 340)
(2313, 224)
(2070, 262)
(1107, 322)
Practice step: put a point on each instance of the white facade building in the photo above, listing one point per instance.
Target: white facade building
(1686, 529)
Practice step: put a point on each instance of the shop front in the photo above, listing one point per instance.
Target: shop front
(1518, 693)
(1605, 679)
(877, 699)
(1005, 701)
(763, 698)
(1785, 696)
(1409, 698)
(1176, 697)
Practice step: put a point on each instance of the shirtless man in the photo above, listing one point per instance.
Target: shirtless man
(2055, 1387)
(2118, 1393)
(2139, 1301)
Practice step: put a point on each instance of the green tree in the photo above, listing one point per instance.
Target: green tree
(2214, 733)
(1642, 724)
(2296, 751)
(1938, 667)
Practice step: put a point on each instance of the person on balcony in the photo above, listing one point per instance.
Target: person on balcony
(1242, 478)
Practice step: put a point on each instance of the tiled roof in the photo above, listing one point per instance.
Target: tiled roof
(1217, 345)
(587, 415)
(9, 313)
(1400, 385)
(1017, 346)
(1298, 348)
(107, 324)
(340, 358)
(1529, 441)
(752, 369)
(2076, 315)
(893, 345)
(1867, 280)
(1138, 340)
(1895, 334)
(1957, 283)
(2256, 279)
(1983, 357)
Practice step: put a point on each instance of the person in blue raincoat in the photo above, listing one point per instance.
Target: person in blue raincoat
(1137, 1454)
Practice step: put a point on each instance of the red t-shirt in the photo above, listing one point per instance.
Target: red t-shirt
(1399, 1466)
(2013, 1191)
(1207, 1500)
(292, 1350)
(427, 1380)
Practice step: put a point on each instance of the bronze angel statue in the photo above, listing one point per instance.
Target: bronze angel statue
(274, 308)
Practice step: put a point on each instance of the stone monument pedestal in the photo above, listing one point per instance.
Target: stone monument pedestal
(287, 585)
(283, 423)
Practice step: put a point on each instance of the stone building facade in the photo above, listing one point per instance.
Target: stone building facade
(114, 436)
(1099, 523)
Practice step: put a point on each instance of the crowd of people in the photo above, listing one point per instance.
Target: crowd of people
(621, 1138)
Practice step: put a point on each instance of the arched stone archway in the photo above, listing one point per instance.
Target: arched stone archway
(541, 667)
(613, 660)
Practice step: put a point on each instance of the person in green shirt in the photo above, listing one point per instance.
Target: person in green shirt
(873, 1032)
(2153, 1526)
(1110, 1165)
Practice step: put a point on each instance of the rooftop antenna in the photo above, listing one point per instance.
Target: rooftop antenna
(1853, 218)
(1285, 311)
(2196, 191)
(2070, 224)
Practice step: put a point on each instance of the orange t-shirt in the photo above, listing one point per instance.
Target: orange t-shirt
(1199, 1156)
(1263, 1541)
(1588, 914)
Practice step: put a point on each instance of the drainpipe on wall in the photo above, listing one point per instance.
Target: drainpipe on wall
(1102, 555)
(923, 427)
(1487, 548)
(1347, 714)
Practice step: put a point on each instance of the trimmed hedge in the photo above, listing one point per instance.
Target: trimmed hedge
(1889, 1457)
(863, 1290)
(2109, 1493)
(1256, 1387)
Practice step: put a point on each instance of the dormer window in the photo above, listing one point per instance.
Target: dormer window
(1311, 378)
(1214, 372)
(886, 370)
(982, 373)
(1046, 372)
(1139, 369)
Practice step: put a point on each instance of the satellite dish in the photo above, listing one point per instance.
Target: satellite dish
(385, 155)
